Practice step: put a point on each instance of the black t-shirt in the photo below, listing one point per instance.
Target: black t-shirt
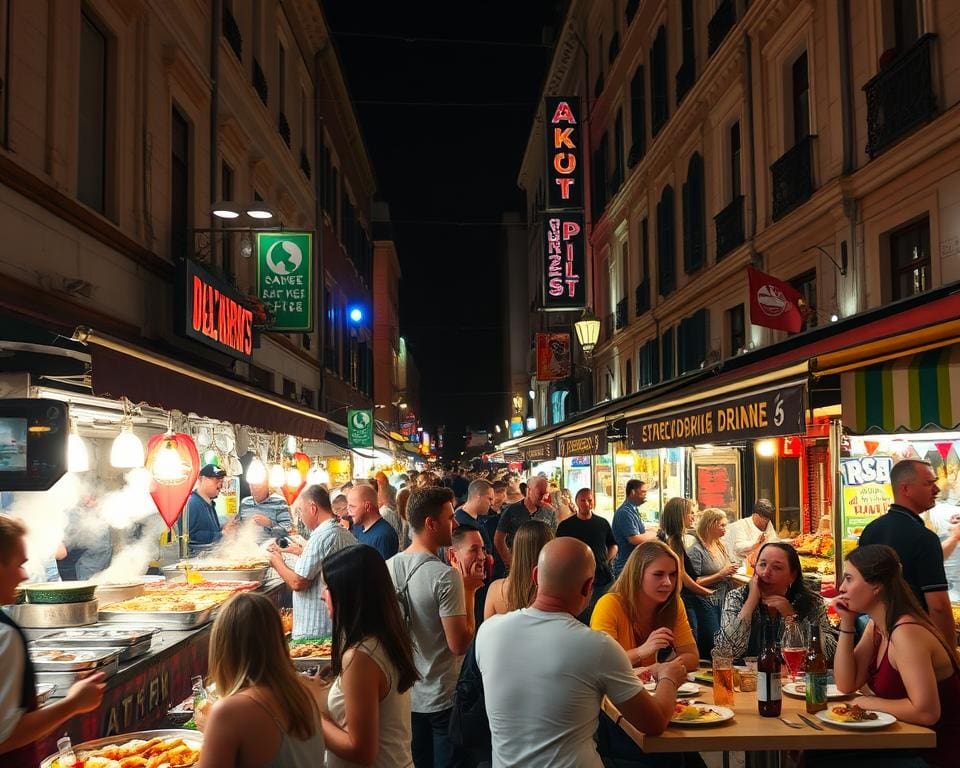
(919, 549)
(595, 532)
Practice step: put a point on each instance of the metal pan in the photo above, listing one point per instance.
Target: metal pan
(96, 637)
(162, 619)
(63, 680)
(52, 616)
(194, 739)
(76, 659)
(174, 573)
(44, 692)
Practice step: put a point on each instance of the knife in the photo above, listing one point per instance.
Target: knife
(811, 723)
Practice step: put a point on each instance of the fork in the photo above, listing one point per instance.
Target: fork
(790, 723)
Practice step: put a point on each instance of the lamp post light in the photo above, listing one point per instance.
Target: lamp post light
(588, 331)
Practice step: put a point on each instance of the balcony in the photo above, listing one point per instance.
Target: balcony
(686, 77)
(621, 314)
(283, 128)
(729, 223)
(642, 298)
(631, 10)
(608, 326)
(232, 32)
(259, 82)
(900, 97)
(304, 163)
(720, 25)
(793, 177)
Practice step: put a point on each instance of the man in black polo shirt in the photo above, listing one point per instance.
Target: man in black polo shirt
(914, 492)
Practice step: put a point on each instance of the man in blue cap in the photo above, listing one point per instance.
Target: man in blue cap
(200, 511)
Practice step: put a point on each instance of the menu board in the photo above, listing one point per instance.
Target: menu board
(867, 492)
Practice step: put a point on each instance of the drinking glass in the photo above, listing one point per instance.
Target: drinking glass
(722, 677)
(793, 645)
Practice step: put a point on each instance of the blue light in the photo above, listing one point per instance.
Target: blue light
(356, 315)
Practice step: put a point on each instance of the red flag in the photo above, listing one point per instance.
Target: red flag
(774, 303)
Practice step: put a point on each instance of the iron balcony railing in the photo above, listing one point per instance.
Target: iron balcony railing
(621, 314)
(793, 177)
(729, 224)
(901, 96)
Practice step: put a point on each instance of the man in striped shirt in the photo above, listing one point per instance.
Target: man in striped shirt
(310, 617)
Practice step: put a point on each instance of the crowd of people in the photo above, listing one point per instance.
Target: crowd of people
(474, 623)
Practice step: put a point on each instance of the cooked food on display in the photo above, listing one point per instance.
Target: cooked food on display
(212, 564)
(138, 753)
(286, 619)
(56, 655)
(311, 647)
(815, 564)
(851, 713)
(173, 586)
(687, 713)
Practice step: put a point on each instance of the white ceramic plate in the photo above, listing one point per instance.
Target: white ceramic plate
(725, 715)
(687, 689)
(882, 721)
(798, 691)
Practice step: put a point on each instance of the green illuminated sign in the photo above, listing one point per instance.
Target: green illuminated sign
(285, 278)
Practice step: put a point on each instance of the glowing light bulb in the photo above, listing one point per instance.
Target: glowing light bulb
(766, 448)
(127, 450)
(77, 458)
(275, 476)
(168, 466)
(318, 476)
(256, 472)
(291, 444)
(293, 478)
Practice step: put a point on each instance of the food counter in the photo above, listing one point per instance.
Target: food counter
(143, 689)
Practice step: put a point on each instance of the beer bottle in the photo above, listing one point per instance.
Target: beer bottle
(815, 672)
(769, 697)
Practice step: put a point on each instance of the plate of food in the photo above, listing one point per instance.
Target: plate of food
(170, 747)
(700, 714)
(704, 676)
(857, 718)
(687, 689)
(799, 691)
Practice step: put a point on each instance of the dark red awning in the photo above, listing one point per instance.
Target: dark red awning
(145, 377)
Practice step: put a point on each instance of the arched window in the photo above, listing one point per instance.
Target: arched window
(666, 259)
(694, 212)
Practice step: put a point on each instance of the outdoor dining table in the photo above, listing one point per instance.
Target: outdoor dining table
(768, 737)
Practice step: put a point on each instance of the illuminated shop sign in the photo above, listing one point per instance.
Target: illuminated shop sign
(539, 452)
(564, 175)
(213, 313)
(564, 264)
(592, 443)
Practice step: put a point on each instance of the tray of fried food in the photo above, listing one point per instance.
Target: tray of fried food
(144, 749)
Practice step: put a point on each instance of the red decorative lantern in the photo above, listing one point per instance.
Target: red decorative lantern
(300, 463)
(173, 463)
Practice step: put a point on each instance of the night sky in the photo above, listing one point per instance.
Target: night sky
(446, 99)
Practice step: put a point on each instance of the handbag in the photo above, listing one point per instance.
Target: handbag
(469, 727)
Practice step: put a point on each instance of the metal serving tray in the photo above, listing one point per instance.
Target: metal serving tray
(174, 573)
(84, 658)
(63, 680)
(97, 637)
(161, 619)
(44, 692)
(53, 615)
(193, 739)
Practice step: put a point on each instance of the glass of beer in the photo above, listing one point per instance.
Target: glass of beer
(722, 677)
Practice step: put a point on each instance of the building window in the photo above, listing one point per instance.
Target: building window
(638, 132)
(734, 169)
(628, 382)
(806, 286)
(901, 28)
(261, 377)
(598, 171)
(618, 139)
(692, 338)
(92, 123)
(736, 330)
(289, 389)
(179, 184)
(304, 121)
(282, 77)
(308, 397)
(658, 82)
(666, 259)
(800, 98)
(910, 259)
(694, 216)
(667, 354)
(226, 238)
(649, 371)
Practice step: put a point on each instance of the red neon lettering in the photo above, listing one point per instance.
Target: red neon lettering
(561, 138)
(570, 229)
(572, 286)
(562, 114)
(556, 286)
(565, 162)
(196, 314)
(565, 185)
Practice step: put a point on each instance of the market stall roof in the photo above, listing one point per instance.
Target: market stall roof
(141, 376)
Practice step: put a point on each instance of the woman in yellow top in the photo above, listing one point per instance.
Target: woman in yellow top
(643, 611)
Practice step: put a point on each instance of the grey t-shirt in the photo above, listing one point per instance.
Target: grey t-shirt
(436, 592)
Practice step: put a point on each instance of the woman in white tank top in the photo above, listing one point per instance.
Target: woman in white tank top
(369, 702)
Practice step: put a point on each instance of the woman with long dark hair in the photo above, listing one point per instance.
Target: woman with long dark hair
(776, 588)
(676, 520)
(369, 702)
(266, 714)
(902, 656)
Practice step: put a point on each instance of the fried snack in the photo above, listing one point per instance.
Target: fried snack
(309, 650)
(137, 753)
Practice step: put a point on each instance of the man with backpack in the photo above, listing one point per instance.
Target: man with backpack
(438, 604)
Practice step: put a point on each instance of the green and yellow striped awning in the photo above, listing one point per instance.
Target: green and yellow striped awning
(910, 394)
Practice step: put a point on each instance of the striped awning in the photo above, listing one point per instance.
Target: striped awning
(909, 394)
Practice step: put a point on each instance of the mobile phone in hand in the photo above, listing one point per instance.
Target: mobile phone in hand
(666, 654)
